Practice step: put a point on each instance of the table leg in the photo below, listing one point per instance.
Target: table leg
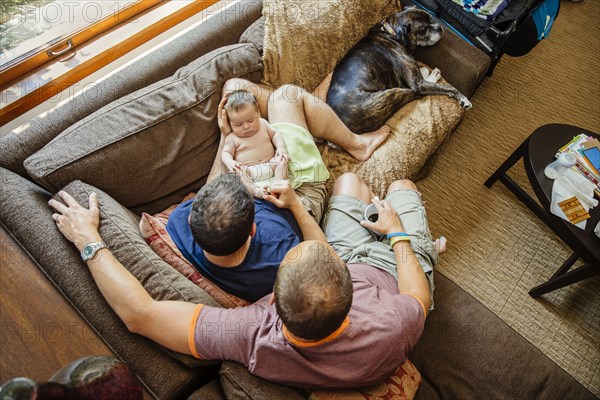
(526, 199)
(510, 161)
(562, 278)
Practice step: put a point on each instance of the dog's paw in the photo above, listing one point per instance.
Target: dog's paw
(465, 103)
(434, 76)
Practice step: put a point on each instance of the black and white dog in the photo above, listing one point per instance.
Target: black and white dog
(379, 74)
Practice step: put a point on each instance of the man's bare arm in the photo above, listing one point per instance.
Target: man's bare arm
(123, 292)
(411, 278)
(284, 196)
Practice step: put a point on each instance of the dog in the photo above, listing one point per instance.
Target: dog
(379, 74)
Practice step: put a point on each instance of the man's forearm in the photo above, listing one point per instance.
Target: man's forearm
(134, 306)
(411, 278)
(123, 292)
(309, 228)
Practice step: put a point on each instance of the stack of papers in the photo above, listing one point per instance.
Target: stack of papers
(587, 154)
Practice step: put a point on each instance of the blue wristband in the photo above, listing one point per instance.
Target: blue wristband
(393, 234)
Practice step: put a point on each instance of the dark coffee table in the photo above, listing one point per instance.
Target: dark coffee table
(538, 151)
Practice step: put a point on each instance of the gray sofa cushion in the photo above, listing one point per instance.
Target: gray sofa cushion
(239, 384)
(223, 27)
(255, 34)
(25, 213)
(119, 230)
(150, 148)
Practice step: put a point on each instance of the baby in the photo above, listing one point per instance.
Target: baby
(254, 149)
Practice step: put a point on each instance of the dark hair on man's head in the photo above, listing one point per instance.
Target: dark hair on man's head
(239, 99)
(222, 215)
(313, 291)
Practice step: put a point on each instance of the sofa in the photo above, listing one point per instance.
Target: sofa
(145, 137)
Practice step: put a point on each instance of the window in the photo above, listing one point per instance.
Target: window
(35, 31)
(73, 39)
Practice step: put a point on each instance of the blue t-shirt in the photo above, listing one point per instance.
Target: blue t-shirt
(276, 233)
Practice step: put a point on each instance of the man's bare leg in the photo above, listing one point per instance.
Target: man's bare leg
(350, 184)
(294, 105)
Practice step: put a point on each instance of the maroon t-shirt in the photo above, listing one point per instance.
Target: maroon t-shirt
(381, 328)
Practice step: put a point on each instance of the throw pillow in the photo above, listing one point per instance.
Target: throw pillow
(418, 129)
(304, 40)
(154, 231)
(402, 385)
(149, 148)
(238, 383)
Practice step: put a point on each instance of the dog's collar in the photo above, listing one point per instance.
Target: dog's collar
(385, 26)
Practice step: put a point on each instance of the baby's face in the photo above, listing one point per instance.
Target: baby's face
(244, 122)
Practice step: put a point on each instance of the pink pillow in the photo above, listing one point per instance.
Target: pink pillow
(154, 232)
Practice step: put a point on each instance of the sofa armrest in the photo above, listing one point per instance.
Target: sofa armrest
(26, 215)
(462, 64)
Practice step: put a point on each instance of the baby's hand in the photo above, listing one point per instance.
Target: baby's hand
(236, 166)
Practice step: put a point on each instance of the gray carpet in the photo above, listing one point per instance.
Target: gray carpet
(497, 249)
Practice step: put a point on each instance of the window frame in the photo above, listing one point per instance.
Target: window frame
(42, 54)
(33, 87)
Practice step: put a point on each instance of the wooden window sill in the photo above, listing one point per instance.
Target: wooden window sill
(50, 79)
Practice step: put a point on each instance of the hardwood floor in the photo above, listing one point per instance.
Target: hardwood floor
(39, 330)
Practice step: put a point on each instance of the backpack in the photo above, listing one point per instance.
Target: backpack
(533, 29)
(514, 31)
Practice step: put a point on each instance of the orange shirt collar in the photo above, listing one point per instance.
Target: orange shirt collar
(311, 343)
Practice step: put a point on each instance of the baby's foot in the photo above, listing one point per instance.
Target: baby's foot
(369, 142)
(434, 76)
(424, 72)
(440, 245)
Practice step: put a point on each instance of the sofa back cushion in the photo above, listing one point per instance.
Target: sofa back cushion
(150, 148)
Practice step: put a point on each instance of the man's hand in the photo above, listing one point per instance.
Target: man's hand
(78, 224)
(222, 118)
(283, 195)
(388, 220)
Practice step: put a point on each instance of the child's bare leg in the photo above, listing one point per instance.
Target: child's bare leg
(261, 92)
(292, 104)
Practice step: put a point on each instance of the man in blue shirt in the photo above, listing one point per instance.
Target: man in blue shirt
(235, 241)
(238, 242)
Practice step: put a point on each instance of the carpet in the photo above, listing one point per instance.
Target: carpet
(498, 250)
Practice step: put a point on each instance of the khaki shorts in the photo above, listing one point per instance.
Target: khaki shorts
(356, 244)
(312, 196)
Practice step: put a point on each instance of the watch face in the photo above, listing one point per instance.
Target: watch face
(87, 251)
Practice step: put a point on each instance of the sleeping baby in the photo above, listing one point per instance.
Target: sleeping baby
(258, 151)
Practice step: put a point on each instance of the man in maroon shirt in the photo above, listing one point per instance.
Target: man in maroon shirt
(327, 324)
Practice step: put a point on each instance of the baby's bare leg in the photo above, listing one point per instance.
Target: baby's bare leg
(259, 172)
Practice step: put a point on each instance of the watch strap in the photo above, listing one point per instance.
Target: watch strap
(89, 250)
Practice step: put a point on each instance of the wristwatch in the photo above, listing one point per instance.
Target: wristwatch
(90, 250)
